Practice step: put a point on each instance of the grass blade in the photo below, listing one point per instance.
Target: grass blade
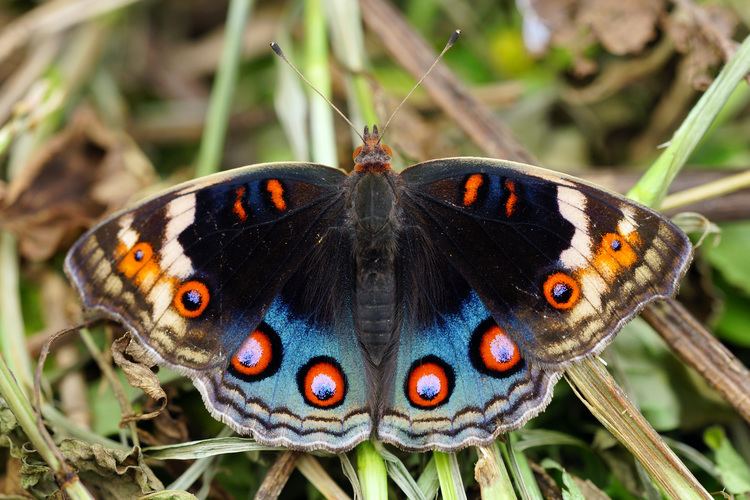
(222, 92)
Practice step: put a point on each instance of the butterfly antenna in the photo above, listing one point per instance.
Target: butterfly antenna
(452, 40)
(277, 49)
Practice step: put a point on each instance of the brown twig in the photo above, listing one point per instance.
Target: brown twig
(277, 476)
(480, 124)
(65, 474)
(700, 349)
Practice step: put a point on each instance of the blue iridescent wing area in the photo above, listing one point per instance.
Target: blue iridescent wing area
(560, 264)
(460, 380)
(221, 279)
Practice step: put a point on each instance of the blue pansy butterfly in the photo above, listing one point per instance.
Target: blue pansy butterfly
(431, 309)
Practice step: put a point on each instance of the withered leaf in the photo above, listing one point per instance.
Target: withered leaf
(135, 362)
(112, 473)
(74, 179)
(622, 27)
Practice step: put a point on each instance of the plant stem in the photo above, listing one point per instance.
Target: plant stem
(609, 404)
(652, 187)
(372, 472)
(720, 187)
(222, 92)
(322, 139)
(451, 486)
(20, 405)
(492, 476)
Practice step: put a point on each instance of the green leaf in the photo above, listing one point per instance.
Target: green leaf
(730, 255)
(734, 320)
(733, 470)
(570, 490)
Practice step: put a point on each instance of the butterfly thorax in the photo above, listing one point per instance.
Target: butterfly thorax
(374, 214)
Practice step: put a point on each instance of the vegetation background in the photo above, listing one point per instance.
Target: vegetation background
(103, 102)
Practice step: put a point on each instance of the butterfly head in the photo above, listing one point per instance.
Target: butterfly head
(372, 156)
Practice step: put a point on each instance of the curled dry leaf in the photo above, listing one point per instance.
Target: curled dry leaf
(74, 179)
(135, 362)
(115, 474)
(704, 35)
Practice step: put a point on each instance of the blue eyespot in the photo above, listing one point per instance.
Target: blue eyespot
(191, 300)
(562, 292)
(138, 255)
(616, 244)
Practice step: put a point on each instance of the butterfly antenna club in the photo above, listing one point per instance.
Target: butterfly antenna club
(277, 49)
(451, 41)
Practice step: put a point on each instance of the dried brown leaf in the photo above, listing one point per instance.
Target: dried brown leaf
(136, 363)
(622, 27)
(74, 179)
(704, 35)
(111, 473)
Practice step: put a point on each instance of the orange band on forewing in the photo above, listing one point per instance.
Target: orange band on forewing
(276, 190)
(512, 201)
(134, 259)
(471, 189)
(238, 208)
(615, 253)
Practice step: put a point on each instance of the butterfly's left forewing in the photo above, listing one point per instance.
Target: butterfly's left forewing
(216, 277)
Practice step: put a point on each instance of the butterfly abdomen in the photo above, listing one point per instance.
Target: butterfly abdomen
(374, 215)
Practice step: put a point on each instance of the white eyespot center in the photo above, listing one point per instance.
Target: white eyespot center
(502, 348)
(428, 386)
(251, 352)
(323, 386)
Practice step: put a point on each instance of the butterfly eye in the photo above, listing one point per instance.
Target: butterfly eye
(561, 291)
(356, 153)
(135, 259)
(493, 351)
(322, 382)
(387, 150)
(259, 356)
(429, 383)
(191, 299)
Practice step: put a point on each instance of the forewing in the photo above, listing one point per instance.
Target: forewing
(559, 263)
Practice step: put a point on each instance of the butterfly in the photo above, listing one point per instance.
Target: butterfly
(431, 309)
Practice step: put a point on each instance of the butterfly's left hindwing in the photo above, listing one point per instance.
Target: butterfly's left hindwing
(200, 274)
(560, 264)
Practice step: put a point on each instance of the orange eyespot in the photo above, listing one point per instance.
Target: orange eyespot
(259, 356)
(429, 382)
(191, 299)
(238, 208)
(322, 382)
(357, 150)
(619, 248)
(135, 259)
(471, 189)
(276, 191)
(497, 350)
(561, 291)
